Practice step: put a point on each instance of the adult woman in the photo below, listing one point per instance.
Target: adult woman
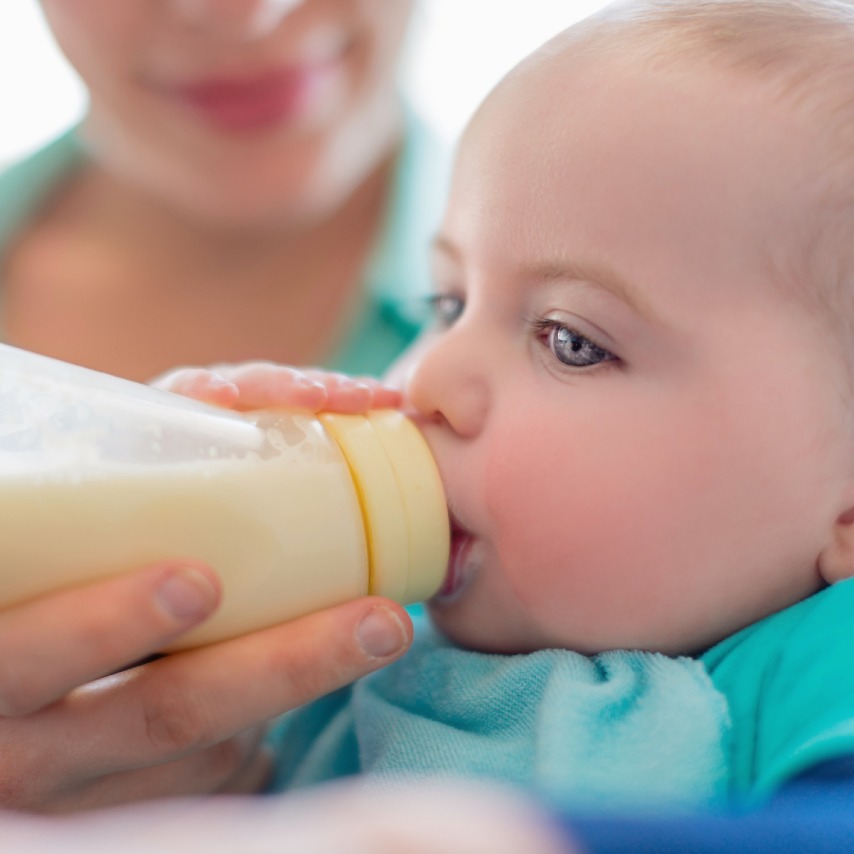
(238, 175)
(246, 184)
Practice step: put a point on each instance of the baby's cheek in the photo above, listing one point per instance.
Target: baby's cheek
(550, 512)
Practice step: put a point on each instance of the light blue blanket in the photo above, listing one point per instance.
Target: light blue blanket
(615, 730)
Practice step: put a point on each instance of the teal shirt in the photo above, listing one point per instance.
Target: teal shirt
(789, 683)
(397, 277)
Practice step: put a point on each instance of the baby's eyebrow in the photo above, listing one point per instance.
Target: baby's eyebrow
(443, 244)
(600, 275)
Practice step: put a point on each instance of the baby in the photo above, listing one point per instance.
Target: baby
(639, 393)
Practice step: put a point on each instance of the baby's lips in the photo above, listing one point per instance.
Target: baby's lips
(461, 540)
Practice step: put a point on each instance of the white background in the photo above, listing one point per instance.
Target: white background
(460, 48)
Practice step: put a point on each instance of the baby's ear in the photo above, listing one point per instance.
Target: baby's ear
(836, 561)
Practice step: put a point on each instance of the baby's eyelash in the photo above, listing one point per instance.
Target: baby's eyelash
(568, 346)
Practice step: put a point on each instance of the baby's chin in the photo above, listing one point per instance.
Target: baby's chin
(479, 635)
(470, 626)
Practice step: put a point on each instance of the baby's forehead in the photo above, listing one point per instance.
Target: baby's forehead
(805, 77)
(550, 92)
(671, 124)
(804, 85)
(797, 48)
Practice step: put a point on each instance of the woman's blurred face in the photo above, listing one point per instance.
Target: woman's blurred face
(238, 111)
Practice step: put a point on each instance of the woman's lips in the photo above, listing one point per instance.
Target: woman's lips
(255, 102)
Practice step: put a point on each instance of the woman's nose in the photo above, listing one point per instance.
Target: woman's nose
(446, 382)
(235, 18)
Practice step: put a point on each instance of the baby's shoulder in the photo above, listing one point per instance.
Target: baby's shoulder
(789, 683)
(815, 628)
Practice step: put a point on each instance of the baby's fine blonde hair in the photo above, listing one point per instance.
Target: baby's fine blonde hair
(802, 53)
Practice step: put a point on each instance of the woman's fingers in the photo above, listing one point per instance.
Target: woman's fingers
(383, 396)
(55, 643)
(347, 394)
(187, 702)
(238, 765)
(201, 384)
(187, 723)
(263, 385)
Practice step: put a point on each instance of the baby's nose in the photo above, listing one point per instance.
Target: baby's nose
(444, 385)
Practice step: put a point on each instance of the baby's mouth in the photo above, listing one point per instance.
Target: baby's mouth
(461, 544)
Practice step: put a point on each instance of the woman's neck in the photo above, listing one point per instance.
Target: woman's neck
(138, 224)
(106, 271)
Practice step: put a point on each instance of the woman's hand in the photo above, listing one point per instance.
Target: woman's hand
(259, 385)
(72, 737)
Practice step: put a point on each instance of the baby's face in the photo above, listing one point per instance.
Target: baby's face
(637, 426)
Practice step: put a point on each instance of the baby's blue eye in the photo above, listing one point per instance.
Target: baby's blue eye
(446, 308)
(573, 349)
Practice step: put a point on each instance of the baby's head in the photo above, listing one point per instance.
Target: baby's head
(640, 390)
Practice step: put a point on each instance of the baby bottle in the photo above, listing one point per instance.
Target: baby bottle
(295, 512)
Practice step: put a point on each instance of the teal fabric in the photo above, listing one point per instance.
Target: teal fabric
(621, 728)
(563, 725)
(26, 184)
(397, 277)
(789, 682)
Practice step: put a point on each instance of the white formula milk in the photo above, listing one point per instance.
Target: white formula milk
(99, 475)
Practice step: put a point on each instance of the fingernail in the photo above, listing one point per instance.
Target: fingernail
(188, 595)
(219, 381)
(381, 633)
(306, 382)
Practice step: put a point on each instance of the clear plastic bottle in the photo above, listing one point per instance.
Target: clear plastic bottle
(295, 512)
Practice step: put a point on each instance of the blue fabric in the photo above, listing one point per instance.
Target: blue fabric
(816, 817)
(617, 729)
